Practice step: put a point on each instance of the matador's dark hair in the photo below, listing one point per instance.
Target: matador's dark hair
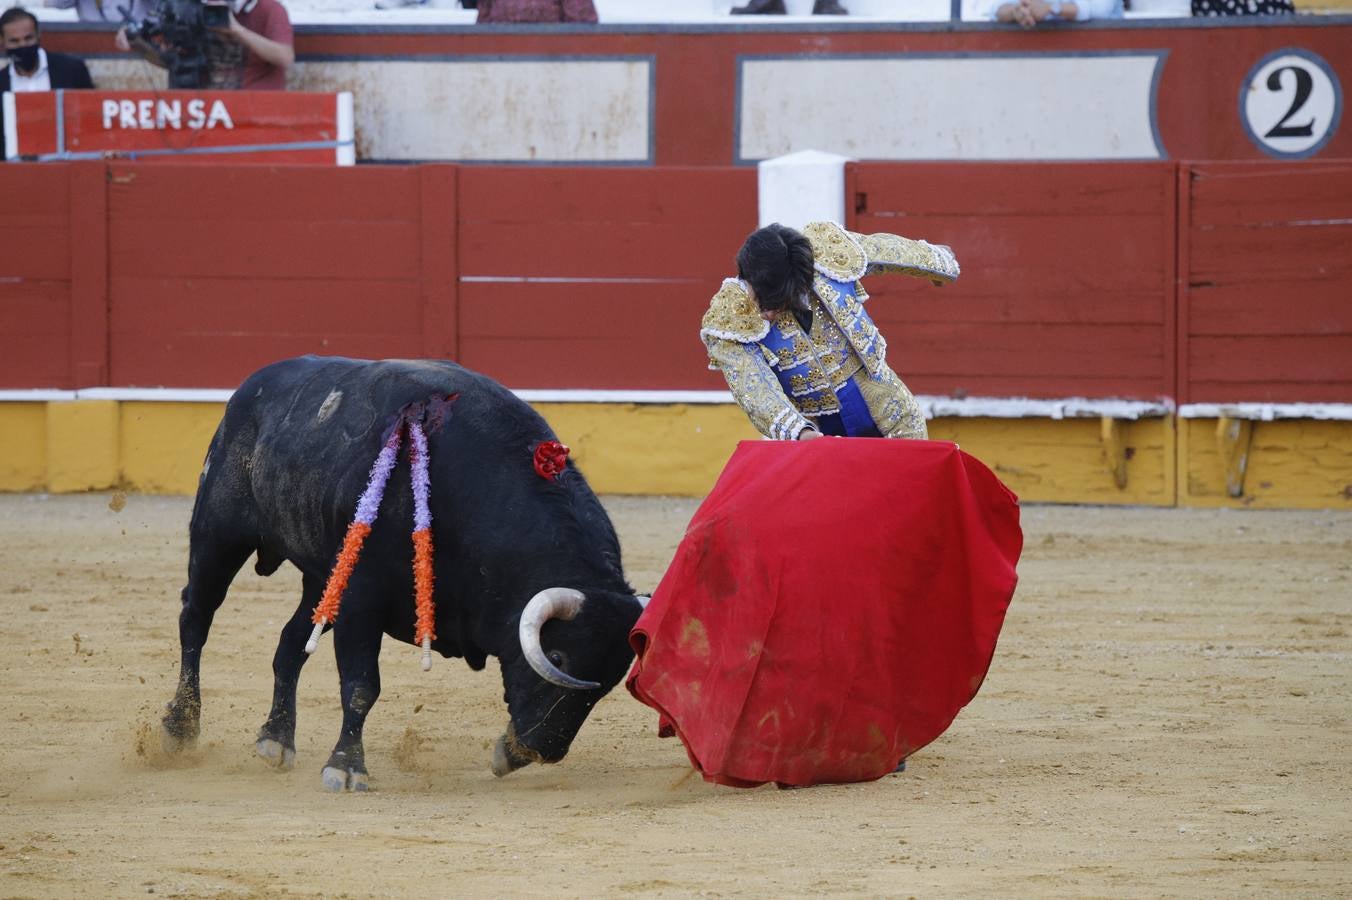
(14, 13)
(777, 262)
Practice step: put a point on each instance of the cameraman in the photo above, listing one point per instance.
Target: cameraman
(252, 53)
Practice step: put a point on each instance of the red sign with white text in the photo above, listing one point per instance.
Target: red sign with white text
(182, 126)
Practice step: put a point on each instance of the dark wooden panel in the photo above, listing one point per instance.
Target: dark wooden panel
(1015, 350)
(239, 306)
(1050, 387)
(34, 334)
(604, 223)
(599, 335)
(1067, 276)
(591, 363)
(89, 274)
(217, 361)
(1321, 359)
(592, 250)
(1259, 391)
(995, 190)
(1271, 253)
(221, 196)
(268, 249)
(34, 193)
(1270, 194)
(1317, 307)
(897, 302)
(1269, 282)
(1045, 249)
(653, 312)
(691, 197)
(439, 276)
(38, 249)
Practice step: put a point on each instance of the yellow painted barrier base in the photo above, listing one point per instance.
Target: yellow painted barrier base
(679, 449)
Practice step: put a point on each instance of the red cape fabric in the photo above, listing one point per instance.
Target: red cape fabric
(832, 606)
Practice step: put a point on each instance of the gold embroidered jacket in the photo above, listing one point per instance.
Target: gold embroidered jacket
(784, 378)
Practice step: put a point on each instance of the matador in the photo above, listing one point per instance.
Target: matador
(791, 335)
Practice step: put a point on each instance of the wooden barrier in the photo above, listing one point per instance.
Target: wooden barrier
(1266, 297)
(134, 275)
(1214, 284)
(596, 278)
(1067, 283)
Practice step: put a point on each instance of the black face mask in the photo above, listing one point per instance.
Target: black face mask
(25, 58)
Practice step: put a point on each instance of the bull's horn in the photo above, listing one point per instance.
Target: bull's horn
(551, 603)
(643, 600)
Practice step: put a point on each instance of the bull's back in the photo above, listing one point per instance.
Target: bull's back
(303, 433)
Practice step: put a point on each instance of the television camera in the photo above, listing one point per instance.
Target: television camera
(175, 35)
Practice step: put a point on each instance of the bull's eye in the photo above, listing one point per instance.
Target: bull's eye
(558, 658)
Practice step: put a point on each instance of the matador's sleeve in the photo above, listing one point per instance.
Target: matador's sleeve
(731, 330)
(892, 253)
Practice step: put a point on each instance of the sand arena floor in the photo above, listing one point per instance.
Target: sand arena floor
(1168, 714)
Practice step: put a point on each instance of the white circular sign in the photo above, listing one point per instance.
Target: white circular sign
(1291, 103)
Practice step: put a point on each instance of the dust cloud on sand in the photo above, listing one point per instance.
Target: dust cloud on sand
(1167, 714)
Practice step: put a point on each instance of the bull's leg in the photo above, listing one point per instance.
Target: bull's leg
(277, 737)
(212, 565)
(357, 645)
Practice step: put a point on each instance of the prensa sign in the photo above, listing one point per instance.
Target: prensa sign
(182, 126)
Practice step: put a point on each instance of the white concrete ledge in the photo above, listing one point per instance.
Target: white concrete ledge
(934, 406)
(168, 395)
(1025, 408)
(1266, 412)
(40, 395)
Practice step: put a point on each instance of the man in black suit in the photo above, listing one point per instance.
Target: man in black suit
(30, 67)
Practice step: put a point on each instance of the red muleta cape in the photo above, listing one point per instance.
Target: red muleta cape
(832, 606)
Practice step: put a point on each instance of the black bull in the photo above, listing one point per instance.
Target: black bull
(282, 479)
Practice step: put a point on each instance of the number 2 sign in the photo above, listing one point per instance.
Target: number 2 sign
(1290, 103)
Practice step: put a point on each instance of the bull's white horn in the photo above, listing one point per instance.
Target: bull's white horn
(551, 603)
(643, 600)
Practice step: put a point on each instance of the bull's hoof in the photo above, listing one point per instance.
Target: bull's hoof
(179, 728)
(339, 780)
(505, 761)
(274, 754)
(172, 743)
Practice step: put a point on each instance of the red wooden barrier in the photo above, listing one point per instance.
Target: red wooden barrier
(35, 276)
(183, 276)
(213, 273)
(1267, 298)
(596, 278)
(1067, 277)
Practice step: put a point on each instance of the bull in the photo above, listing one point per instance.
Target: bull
(526, 568)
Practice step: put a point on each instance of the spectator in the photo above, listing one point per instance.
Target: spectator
(32, 68)
(1030, 13)
(776, 8)
(252, 53)
(536, 11)
(104, 10)
(1243, 8)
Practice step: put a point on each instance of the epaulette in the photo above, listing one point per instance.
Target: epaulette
(834, 252)
(733, 315)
